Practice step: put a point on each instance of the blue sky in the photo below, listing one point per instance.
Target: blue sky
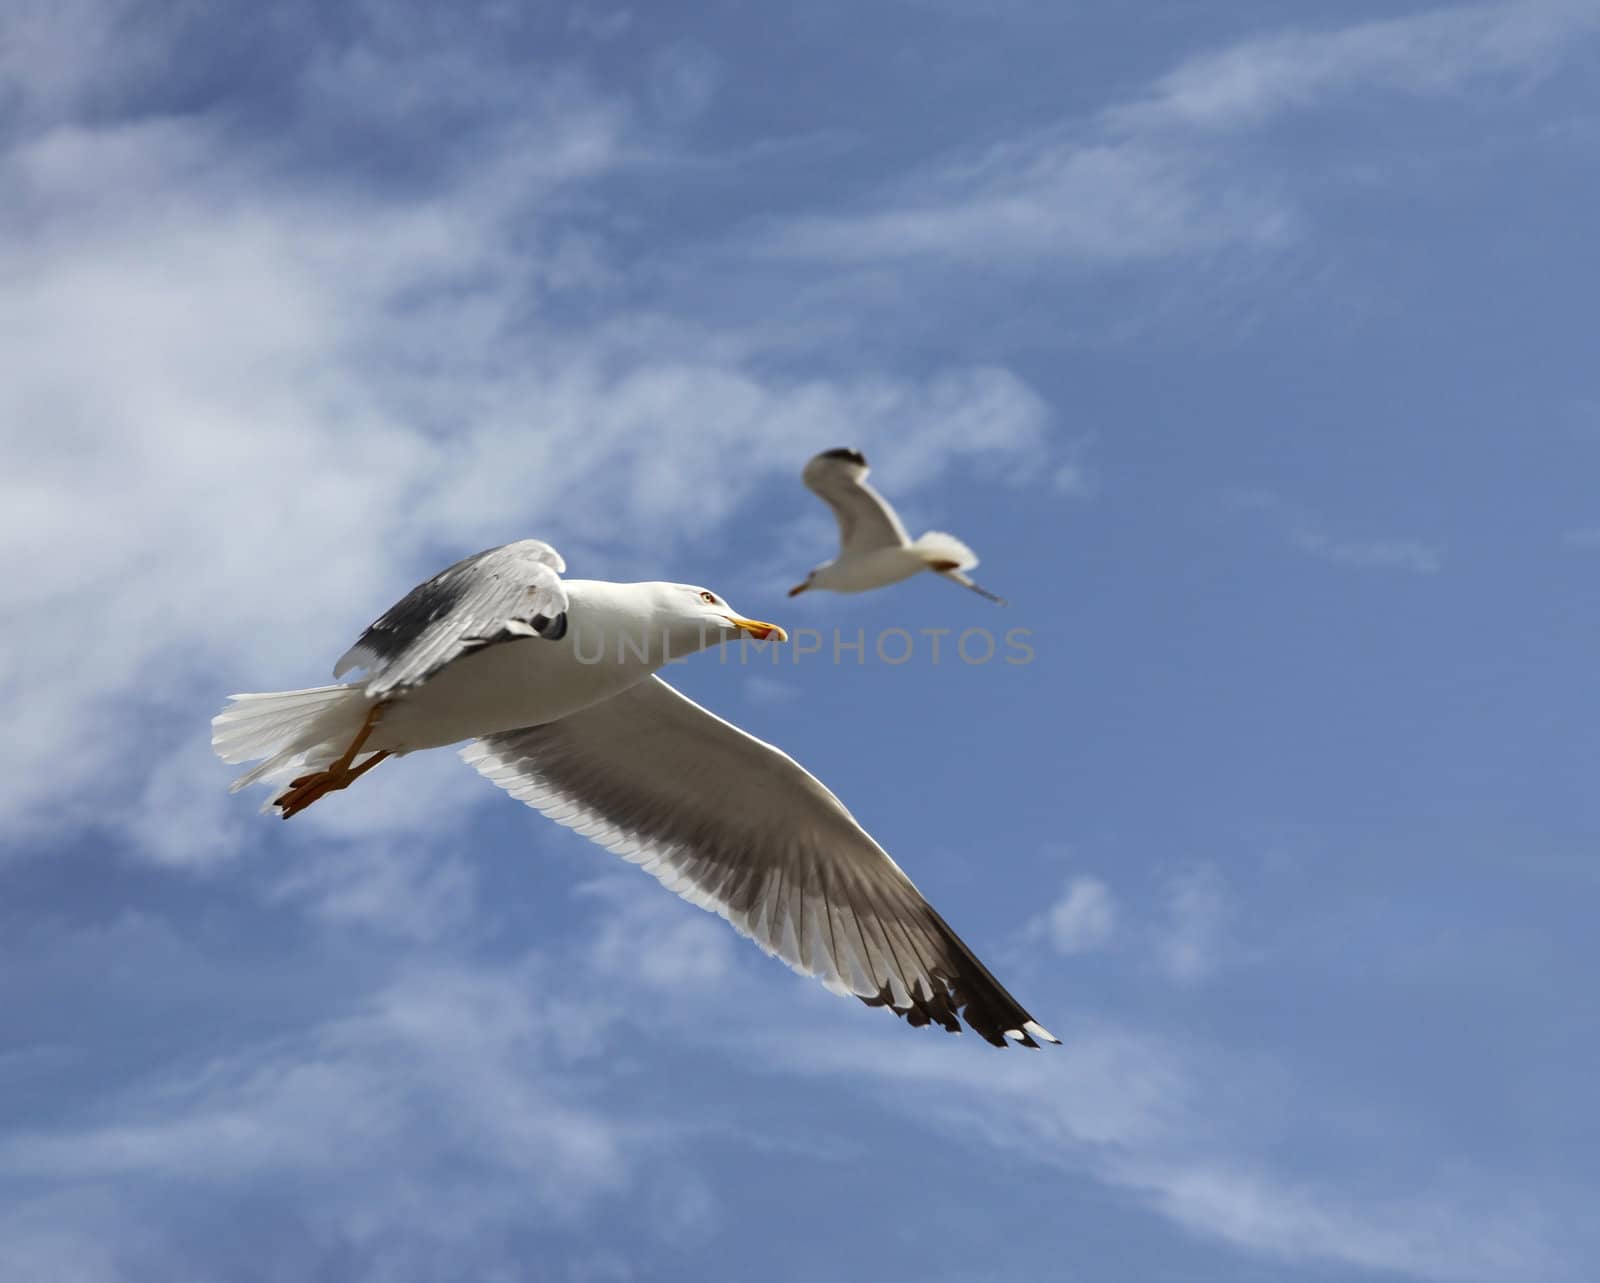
(1252, 348)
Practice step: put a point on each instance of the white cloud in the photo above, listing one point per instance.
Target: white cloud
(1060, 194)
(1102, 1087)
(1195, 940)
(684, 78)
(179, 817)
(428, 1125)
(1075, 481)
(1307, 532)
(1159, 1120)
(1084, 919)
(683, 1209)
(421, 893)
(472, 1039)
(1371, 554)
(644, 937)
(475, 1094)
(769, 690)
(1455, 1236)
(1074, 477)
(44, 1239)
(1159, 175)
(53, 55)
(1437, 51)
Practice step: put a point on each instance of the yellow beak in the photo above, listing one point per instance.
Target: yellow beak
(760, 631)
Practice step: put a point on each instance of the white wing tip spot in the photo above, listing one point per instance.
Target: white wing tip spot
(1039, 1031)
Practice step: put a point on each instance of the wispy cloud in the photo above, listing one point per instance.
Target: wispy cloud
(1307, 532)
(1082, 920)
(1437, 51)
(447, 1093)
(769, 690)
(499, 1097)
(1371, 554)
(392, 887)
(684, 77)
(1076, 477)
(1061, 194)
(1149, 1117)
(644, 939)
(1160, 174)
(1460, 1236)
(1194, 940)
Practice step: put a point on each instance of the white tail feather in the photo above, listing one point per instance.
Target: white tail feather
(936, 546)
(290, 729)
(939, 550)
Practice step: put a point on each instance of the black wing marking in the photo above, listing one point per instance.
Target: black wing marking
(494, 596)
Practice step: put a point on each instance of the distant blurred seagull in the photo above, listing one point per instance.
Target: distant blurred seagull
(874, 550)
(554, 683)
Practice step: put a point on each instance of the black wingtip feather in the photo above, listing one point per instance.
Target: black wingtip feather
(989, 1018)
(846, 454)
(966, 991)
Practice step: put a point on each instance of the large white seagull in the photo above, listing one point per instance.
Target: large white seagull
(553, 681)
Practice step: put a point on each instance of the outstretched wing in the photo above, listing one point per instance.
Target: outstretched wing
(866, 521)
(737, 827)
(494, 596)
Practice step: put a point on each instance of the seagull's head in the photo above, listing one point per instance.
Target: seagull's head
(689, 611)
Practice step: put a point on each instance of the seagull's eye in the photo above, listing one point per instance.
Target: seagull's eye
(710, 598)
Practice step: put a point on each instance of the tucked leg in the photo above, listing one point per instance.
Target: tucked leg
(305, 790)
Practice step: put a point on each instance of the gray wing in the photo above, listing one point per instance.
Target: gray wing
(494, 596)
(866, 521)
(738, 827)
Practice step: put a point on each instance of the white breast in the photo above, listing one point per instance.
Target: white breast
(875, 569)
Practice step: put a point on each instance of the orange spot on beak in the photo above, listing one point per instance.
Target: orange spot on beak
(757, 628)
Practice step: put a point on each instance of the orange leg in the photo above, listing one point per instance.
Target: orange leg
(305, 790)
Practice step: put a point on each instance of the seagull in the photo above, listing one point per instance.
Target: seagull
(553, 683)
(874, 549)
